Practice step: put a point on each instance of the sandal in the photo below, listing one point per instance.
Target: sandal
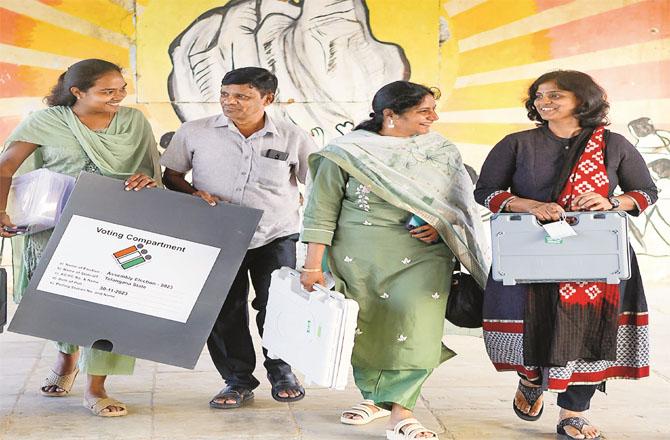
(532, 395)
(365, 413)
(575, 422)
(408, 429)
(238, 393)
(98, 406)
(287, 382)
(63, 381)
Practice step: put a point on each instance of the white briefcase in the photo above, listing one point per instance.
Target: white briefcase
(311, 331)
(524, 253)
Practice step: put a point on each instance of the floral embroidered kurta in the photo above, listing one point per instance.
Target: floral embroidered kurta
(400, 283)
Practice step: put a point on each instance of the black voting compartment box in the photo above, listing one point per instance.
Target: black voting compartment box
(117, 272)
(523, 252)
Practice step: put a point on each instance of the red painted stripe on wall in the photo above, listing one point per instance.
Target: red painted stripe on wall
(543, 5)
(15, 29)
(22, 31)
(26, 80)
(626, 26)
(619, 27)
(637, 81)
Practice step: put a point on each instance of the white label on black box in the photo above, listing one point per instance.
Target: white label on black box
(128, 268)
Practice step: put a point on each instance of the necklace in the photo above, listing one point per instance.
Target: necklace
(91, 125)
(99, 130)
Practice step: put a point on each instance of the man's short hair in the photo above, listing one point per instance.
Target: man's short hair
(260, 79)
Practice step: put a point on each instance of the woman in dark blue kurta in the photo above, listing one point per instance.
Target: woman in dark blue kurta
(522, 174)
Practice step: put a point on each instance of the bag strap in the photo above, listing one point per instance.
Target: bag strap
(2, 249)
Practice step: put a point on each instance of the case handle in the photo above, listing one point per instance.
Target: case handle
(317, 287)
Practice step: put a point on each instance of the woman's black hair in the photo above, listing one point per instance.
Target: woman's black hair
(591, 112)
(81, 75)
(592, 107)
(398, 96)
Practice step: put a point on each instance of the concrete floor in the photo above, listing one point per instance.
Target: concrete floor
(464, 399)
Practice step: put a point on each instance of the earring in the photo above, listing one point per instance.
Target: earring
(391, 124)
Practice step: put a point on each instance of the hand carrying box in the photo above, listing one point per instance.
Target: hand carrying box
(524, 253)
(312, 331)
(36, 199)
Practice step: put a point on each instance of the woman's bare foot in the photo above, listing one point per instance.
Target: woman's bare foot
(65, 364)
(522, 404)
(587, 431)
(352, 416)
(95, 389)
(400, 413)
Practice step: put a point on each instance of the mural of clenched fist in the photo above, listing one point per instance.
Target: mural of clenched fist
(327, 60)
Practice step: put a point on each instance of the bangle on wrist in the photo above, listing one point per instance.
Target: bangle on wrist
(506, 204)
(307, 270)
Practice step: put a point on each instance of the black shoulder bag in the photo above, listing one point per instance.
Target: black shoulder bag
(466, 300)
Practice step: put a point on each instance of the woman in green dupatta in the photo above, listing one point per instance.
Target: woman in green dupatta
(83, 129)
(365, 187)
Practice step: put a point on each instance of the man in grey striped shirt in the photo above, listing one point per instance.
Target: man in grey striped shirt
(247, 158)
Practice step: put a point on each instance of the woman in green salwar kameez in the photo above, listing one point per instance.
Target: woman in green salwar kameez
(365, 186)
(83, 129)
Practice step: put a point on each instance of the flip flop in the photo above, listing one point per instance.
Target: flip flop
(62, 381)
(239, 394)
(575, 422)
(531, 394)
(98, 405)
(408, 429)
(365, 413)
(286, 382)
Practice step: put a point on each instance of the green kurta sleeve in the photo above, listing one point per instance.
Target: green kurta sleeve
(324, 203)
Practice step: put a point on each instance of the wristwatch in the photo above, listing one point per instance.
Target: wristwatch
(615, 202)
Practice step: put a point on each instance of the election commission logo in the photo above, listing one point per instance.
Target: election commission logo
(132, 256)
